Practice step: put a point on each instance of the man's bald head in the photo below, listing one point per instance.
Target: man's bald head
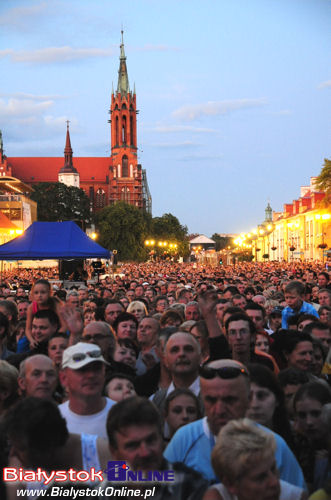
(37, 376)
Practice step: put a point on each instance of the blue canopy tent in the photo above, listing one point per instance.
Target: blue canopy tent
(52, 240)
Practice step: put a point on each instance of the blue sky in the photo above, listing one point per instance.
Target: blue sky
(234, 96)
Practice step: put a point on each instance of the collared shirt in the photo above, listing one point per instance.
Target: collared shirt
(195, 387)
(192, 445)
(306, 308)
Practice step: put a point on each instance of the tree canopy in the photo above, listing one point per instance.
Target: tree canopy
(58, 202)
(168, 227)
(123, 227)
(221, 241)
(323, 180)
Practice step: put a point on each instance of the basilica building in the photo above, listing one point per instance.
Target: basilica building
(105, 180)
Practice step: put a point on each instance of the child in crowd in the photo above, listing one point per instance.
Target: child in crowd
(294, 293)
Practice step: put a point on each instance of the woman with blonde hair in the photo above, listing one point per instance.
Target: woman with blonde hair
(138, 309)
(244, 460)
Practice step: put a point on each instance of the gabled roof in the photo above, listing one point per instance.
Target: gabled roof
(52, 240)
(202, 240)
(43, 169)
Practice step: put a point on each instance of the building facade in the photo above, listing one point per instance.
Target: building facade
(301, 232)
(105, 180)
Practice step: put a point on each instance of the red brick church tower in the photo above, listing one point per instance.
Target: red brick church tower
(126, 184)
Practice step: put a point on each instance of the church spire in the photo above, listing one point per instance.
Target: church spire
(123, 79)
(268, 213)
(1, 148)
(68, 164)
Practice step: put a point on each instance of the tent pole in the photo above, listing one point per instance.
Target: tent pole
(1, 270)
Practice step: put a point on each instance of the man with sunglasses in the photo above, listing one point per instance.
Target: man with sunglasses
(83, 377)
(99, 333)
(225, 388)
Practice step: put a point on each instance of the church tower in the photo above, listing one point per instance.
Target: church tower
(126, 181)
(5, 169)
(268, 213)
(68, 175)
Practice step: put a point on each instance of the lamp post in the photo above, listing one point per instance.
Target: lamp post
(161, 247)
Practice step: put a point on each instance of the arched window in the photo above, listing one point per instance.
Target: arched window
(124, 130)
(125, 167)
(116, 131)
(131, 131)
(100, 198)
(125, 195)
(124, 106)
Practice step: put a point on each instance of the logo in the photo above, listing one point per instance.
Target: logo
(118, 470)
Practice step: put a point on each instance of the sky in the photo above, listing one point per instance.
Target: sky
(233, 96)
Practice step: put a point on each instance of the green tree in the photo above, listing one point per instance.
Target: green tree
(58, 202)
(124, 227)
(323, 180)
(169, 228)
(221, 241)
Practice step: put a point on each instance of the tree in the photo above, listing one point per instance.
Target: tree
(169, 228)
(221, 241)
(323, 180)
(124, 227)
(58, 202)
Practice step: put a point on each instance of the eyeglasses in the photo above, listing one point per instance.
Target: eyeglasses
(97, 336)
(79, 356)
(226, 372)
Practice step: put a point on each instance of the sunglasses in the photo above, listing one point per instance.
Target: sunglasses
(226, 372)
(79, 356)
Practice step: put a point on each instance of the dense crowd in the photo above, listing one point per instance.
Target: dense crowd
(169, 367)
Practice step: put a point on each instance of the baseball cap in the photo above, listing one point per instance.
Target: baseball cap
(81, 354)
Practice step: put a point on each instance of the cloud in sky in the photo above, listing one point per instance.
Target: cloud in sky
(35, 97)
(55, 54)
(20, 17)
(30, 118)
(324, 85)
(216, 108)
(23, 107)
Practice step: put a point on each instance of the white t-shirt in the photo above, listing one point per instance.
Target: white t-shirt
(87, 424)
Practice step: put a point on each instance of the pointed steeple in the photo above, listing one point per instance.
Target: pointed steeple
(68, 164)
(123, 79)
(1, 148)
(268, 213)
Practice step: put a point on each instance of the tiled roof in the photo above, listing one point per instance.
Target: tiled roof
(46, 169)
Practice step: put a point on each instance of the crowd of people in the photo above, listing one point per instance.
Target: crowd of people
(221, 375)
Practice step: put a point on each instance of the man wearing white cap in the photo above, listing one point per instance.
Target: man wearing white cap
(83, 376)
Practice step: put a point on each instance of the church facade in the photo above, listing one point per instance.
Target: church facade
(105, 180)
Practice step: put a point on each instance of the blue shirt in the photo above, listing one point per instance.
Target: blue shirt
(305, 309)
(192, 444)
